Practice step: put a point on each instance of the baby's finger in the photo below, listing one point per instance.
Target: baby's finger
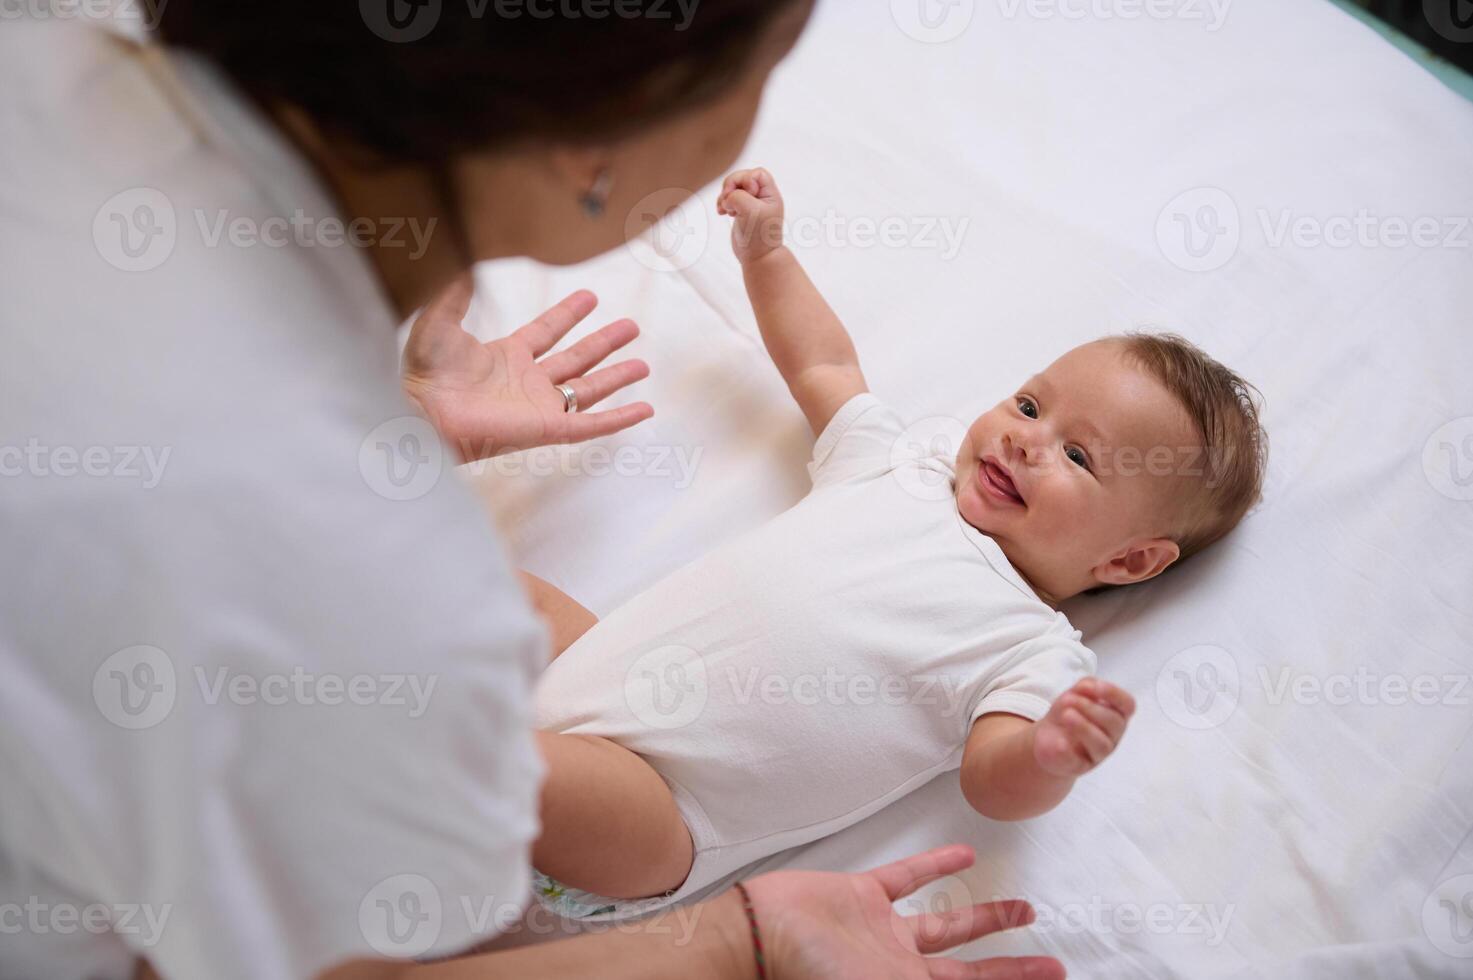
(1104, 716)
(765, 182)
(732, 179)
(739, 202)
(1094, 744)
(1116, 697)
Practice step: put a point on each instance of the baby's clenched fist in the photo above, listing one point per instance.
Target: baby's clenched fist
(752, 198)
(1082, 727)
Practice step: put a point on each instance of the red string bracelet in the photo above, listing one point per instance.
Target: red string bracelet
(756, 935)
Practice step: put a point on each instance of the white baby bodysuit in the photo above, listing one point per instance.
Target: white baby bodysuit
(799, 678)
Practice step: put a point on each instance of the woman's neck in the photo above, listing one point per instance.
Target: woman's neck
(409, 223)
(416, 244)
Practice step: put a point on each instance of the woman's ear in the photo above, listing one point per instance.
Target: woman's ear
(1138, 561)
(579, 167)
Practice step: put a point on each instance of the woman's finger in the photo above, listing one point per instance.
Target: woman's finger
(551, 326)
(937, 931)
(454, 301)
(594, 388)
(441, 317)
(998, 968)
(588, 352)
(581, 427)
(902, 877)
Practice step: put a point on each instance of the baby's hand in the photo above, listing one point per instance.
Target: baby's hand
(751, 196)
(1082, 727)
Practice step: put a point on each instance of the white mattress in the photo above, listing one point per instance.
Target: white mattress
(1314, 834)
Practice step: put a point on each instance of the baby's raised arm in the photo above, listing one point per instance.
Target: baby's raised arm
(806, 341)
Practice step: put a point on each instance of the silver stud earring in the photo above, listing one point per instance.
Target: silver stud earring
(596, 197)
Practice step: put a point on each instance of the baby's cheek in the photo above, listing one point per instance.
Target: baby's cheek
(1073, 513)
(1075, 527)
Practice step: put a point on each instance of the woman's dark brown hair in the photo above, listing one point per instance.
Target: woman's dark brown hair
(420, 81)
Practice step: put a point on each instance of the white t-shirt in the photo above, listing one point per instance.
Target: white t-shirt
(799, 678)
(257, 716)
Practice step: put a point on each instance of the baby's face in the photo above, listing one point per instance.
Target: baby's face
(1058, 474)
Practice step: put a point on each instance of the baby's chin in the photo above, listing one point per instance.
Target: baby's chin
(972, 510)
(976, 514)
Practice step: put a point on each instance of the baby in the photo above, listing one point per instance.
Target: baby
(798, 679)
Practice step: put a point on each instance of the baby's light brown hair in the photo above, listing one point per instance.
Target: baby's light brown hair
(1224, 409)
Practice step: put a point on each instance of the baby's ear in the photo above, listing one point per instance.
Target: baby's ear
(1138, 561)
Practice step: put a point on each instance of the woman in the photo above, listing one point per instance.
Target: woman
(267, 700)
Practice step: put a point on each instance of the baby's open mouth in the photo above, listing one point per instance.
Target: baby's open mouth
(996, 480)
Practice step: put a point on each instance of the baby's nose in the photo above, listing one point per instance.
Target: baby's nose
(1018, 446)
(1026, 447)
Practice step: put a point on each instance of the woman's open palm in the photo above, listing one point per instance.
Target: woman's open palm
(823, 926)
(496, 397)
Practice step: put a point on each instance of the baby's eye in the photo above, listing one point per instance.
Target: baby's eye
(1026, 406)
(1077, 457)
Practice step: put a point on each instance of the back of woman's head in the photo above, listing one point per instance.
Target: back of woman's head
(420, 81)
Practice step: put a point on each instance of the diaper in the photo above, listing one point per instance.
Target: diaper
(574, 903)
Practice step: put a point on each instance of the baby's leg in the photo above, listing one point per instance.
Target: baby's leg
(609, 823)
(566, 619)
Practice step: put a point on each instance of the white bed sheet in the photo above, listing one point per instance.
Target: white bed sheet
(1250, 832)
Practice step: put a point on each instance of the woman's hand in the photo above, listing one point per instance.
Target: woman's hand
(822, 926)
(493, 398)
